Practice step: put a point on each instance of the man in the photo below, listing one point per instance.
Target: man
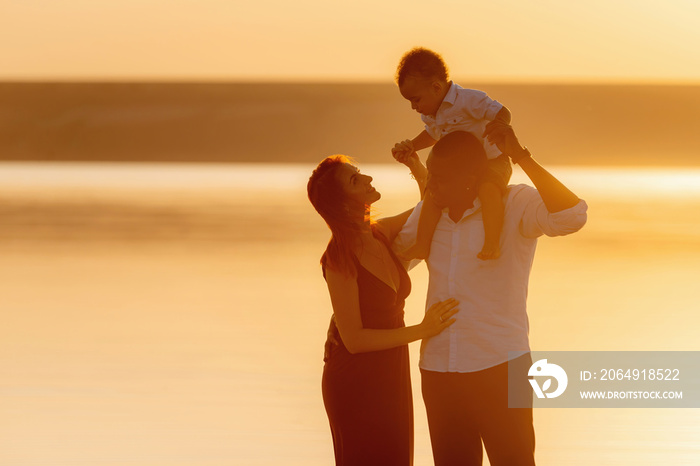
(464, 370)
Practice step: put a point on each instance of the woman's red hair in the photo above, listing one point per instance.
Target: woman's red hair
(326, 195)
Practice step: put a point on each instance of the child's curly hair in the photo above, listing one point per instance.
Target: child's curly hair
(421, 62)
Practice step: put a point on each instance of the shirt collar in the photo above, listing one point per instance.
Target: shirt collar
(472, 210)
(451, 96)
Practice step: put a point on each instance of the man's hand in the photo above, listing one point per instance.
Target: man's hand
(554, 194)
(404, 153)
(500, 133)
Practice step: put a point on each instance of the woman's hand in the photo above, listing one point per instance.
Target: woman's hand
(438, 317)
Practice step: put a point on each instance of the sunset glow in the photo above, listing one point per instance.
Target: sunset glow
(164, 299)
(504, 40)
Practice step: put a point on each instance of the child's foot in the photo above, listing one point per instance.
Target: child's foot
(414, 252)
(490, 251)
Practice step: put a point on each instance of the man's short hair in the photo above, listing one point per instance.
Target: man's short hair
(463, 150)
(423, 63)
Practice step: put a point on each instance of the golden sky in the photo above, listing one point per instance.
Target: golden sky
(505, 40)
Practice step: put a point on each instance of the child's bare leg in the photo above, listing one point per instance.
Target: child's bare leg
(429, 218)
(492, 212)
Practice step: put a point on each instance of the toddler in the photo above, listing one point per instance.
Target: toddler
(444, 106)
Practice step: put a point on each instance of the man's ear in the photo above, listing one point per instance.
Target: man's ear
(437, 86)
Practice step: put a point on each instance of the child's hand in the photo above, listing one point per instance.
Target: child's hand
(404, 153)
(504, 137)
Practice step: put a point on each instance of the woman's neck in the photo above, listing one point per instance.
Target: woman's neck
(364, 235)
(362, 220)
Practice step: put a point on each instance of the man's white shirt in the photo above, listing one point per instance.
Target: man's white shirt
(492, 319)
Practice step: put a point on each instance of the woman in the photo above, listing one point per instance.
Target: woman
(366, 381)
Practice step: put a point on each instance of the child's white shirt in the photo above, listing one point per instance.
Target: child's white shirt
(464, 110)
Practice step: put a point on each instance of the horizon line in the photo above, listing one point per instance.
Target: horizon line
(294, 80)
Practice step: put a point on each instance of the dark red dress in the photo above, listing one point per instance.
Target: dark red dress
(368, 395)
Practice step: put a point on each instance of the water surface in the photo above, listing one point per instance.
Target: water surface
(175, 314)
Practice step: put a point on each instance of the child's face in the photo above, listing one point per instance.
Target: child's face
(424, 94)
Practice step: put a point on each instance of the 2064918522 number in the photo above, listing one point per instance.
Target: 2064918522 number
(640, 374)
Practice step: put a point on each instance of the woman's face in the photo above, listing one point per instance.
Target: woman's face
(357, 187)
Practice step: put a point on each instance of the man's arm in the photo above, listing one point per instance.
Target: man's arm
(555, 195)
(503, 115)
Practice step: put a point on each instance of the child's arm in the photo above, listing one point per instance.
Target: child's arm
(423, 140)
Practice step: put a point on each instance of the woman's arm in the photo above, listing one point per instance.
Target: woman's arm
(404, 152)
(419, 173)
(391, 226)
(346, 309)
